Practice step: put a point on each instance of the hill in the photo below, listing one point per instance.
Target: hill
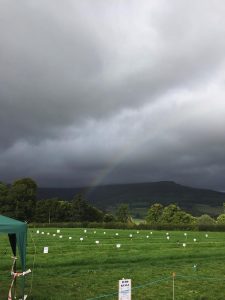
(140, 196)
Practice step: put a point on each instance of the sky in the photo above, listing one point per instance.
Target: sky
(106, 92)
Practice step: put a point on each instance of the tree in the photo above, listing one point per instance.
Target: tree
(155, 213)
(4, 190)
(123, 214)
(23, 194)
(172, 214)
(93, 214)
(62, 211)
(169, 214)
(79, 208)
(185, 218)
(6, 205)
(82, 211)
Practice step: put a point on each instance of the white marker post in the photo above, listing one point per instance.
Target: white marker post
(174, 275)
(125, 289)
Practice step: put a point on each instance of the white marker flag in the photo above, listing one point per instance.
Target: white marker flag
(125, 289)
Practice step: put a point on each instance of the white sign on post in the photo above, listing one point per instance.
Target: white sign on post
(125, 289)
(45, 250)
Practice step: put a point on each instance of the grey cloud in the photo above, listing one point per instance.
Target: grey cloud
(120, 91)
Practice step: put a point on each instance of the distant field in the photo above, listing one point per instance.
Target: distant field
(207, 209)
(82, 270)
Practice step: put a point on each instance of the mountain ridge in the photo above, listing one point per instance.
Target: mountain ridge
(140, 196)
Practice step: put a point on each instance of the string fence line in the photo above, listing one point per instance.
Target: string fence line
(33, 263)
(135, 287)
(172, 277)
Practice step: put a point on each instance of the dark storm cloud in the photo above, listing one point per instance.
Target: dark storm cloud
(95, 92)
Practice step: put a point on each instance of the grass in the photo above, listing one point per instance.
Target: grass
(82, 270)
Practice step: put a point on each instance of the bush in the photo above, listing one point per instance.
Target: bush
(221, 219)
(205, 220)
(108, 218)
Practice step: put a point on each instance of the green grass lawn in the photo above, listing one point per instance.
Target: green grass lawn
(79, 270)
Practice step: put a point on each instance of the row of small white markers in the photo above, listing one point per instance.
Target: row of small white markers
(185, 234)
(81, 238)
(117, 245)
(130, 235)
(58, 231)
(45, 250)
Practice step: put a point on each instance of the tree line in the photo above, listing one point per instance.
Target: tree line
(19, 201)
(173, 214)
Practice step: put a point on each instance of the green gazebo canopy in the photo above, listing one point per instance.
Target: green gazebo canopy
(17, 232)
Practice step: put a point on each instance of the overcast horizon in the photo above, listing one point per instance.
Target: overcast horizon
(105, 92)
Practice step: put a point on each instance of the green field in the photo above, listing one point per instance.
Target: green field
(79, 270)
